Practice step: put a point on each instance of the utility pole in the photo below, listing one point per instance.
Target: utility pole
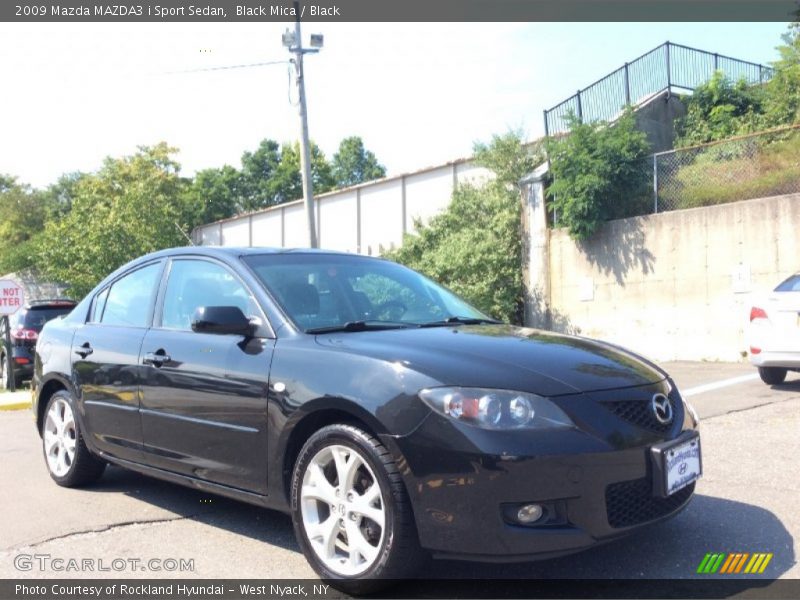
(295, 45)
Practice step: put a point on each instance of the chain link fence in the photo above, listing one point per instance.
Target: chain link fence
(752, 166)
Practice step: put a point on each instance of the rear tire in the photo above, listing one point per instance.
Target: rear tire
(68, 460)
(351, 513)
(772, 375)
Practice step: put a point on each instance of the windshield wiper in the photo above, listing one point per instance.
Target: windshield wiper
(461, 321)
(360, 326)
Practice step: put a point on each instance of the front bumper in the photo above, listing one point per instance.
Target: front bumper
(460, 479)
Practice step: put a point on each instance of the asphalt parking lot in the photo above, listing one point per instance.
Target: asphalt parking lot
(746, 502)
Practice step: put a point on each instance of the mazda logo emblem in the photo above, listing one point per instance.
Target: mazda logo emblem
(662, 409)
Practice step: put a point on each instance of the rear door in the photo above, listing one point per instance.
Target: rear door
(204, 396)
(105, 354)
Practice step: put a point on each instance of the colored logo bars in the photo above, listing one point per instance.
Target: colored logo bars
(734, 562)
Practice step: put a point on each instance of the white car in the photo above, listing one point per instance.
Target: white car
(774, 332)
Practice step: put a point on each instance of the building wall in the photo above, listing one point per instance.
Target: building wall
(365, 219)
(675, 285)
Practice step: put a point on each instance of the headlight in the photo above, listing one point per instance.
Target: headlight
(496, 409)
(690, 409)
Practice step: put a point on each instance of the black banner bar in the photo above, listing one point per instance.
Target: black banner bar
(398, 10)
(282, 589)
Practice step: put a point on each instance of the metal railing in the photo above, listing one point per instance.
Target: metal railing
(758, 165)
(663, 68)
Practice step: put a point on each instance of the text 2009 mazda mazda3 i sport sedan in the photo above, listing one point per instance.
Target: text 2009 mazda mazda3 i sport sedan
(384, 413)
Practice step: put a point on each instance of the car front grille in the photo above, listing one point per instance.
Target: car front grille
(630, 503)
(640, 413)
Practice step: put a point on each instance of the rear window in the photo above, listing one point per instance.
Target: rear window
(790, 285)
(35, 317)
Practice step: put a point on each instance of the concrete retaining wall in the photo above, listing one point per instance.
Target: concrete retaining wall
(676, 285)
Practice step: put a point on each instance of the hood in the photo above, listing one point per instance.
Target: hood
(503, 357)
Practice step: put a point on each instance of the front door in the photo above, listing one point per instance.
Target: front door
(204, 396)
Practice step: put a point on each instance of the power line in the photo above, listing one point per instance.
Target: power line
(228, 67)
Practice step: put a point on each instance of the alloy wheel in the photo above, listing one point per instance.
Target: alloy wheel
(60, 438)
(343, 510)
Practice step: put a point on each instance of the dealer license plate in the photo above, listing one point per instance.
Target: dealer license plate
(682, 465)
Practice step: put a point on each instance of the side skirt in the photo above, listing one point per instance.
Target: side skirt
(192, 482)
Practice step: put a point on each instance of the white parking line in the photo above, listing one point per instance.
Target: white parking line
(701, 389)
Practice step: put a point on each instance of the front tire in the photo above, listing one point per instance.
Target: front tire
(68, 460)
(772, 375)
(351, 513)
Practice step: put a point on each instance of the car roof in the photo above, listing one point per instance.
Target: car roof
(232, 251)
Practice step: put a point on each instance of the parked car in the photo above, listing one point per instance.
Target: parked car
(774, 332)
(24, 328)
(385, 414)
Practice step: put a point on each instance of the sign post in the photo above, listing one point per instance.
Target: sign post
(12, 298)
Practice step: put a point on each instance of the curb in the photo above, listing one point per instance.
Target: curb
(15, 405)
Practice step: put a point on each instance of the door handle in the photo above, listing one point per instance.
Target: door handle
(156, 359)
(84, 350)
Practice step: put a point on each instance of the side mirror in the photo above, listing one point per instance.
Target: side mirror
(223, 320)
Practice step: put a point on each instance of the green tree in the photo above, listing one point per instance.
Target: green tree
(353, 164)
(271, 174)
(23, 214)
(257, 175)
(131, 206)
(475, 246)
(217, 194)
(599, 173)
(782, 103)
(287, 183)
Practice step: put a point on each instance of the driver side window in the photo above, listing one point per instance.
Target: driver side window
(195, 283)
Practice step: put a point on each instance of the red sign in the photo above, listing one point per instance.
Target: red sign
(11, 297)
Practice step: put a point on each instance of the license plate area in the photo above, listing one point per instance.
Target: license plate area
(676, 464)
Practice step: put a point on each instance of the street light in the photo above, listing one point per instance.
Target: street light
(293, 41)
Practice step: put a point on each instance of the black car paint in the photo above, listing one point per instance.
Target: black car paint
(220, 414)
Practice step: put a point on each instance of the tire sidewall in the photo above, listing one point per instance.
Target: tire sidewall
(357, 440)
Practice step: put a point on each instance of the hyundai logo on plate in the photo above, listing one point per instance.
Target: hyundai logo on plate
(662, 409)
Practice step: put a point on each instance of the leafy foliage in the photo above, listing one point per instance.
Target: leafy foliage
(132, 206)
(23, 213)
(475, 246)
(271, 175)
(354, 164)
(599, 174)
(719, 109)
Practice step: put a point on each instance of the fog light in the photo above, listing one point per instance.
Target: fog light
(529, 513)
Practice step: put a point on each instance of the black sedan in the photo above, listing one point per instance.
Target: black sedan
(389, 417)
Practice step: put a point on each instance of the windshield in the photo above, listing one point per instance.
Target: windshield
(322, 291)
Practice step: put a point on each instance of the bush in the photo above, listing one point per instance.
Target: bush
(475, 246)
(599, 173)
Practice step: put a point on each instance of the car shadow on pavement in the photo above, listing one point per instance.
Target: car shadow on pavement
(268, 526)
(790, 385)
(669, 550)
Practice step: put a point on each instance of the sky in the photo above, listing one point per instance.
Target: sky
(419, 94)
